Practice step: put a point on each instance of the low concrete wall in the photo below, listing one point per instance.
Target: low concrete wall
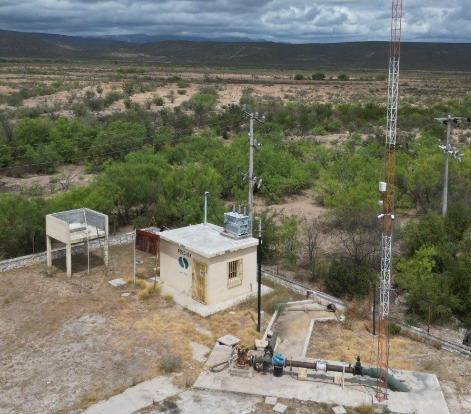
(25, 261)
(431, 339)
(296, 287)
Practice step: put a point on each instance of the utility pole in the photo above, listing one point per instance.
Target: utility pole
(259, 272)
(249, 175)
(447, 150)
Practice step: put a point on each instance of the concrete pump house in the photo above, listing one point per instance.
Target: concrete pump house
(207, 264)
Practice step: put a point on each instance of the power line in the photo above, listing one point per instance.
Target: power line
(423, 18)
(374, 20)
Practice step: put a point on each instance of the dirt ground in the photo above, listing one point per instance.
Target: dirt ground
(67, 344)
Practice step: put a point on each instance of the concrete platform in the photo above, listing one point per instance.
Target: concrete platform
(425, 396)
(206, 310)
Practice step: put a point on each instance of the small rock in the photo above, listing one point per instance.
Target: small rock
(232, 313)
(339, 410)
(280, 408)
(270, 400)
(126, 294)
(47, 383)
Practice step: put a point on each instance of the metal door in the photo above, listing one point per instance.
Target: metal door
(198, 285)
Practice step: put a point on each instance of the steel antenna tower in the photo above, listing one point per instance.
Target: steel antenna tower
(387, 190)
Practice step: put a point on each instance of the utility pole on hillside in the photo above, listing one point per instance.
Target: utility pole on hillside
(249, 175)
(447, 150)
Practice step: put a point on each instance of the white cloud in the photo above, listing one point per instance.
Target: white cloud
(279, 20)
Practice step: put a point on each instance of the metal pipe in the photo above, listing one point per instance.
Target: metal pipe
(206, 207)
(393, 383)
(445, 174)
(313, 365)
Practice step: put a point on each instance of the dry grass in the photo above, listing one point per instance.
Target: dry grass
(140, 283)
(345, 341)
(168, 297)
(149, 290)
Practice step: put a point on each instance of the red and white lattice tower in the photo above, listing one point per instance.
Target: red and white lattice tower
(387, 189)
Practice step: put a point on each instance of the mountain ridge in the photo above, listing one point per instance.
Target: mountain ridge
(311, 56)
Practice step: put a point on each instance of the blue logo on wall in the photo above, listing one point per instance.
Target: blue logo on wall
(183, 262)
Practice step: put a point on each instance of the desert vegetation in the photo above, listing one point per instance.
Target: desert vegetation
(152, 140)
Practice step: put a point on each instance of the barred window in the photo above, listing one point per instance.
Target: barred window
(234, 272)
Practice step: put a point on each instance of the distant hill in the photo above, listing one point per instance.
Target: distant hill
(94, 42)
(338, 56)
(355, 55)
(29, 47)
(73, 41)
(144, 38)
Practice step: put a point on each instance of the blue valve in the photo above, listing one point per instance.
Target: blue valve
(278, 359)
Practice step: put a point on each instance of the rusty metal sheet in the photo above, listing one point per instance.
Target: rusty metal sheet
(147, 242)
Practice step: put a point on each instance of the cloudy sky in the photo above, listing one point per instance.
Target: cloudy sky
(295, 21)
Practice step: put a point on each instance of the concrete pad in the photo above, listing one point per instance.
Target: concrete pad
(199, 351)
(206, 310)
(228, 340)
(338, 378)
(260, 344)
(153, 279)
(280, 408)
(207, 402)
(295, 328)
(425, 395)
(271, 400)
(339, 410)
(135, 398)
(117, 282)
(302, 374)
(240, 372)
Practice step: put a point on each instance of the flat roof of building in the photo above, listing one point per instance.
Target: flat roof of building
(208, 240)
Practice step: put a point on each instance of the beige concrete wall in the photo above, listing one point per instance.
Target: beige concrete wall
(218, 289)
(171, 273)
(57, 229)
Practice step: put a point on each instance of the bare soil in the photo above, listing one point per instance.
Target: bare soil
(67, 344)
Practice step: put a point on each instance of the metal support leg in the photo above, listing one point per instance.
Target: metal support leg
(68, 259)
(49, 252)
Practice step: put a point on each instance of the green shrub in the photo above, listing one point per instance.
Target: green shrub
(394, 329)
(170, 364)
(15, 100)
(345, 278)
(128, 87)
(96, 104)
(334, 126)
(319, 130)
(343, 76)
(182, 84)
(112, 97)
(5, 154)
(318, 76)
(158, 100)
(181, 91)
(298, 76)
